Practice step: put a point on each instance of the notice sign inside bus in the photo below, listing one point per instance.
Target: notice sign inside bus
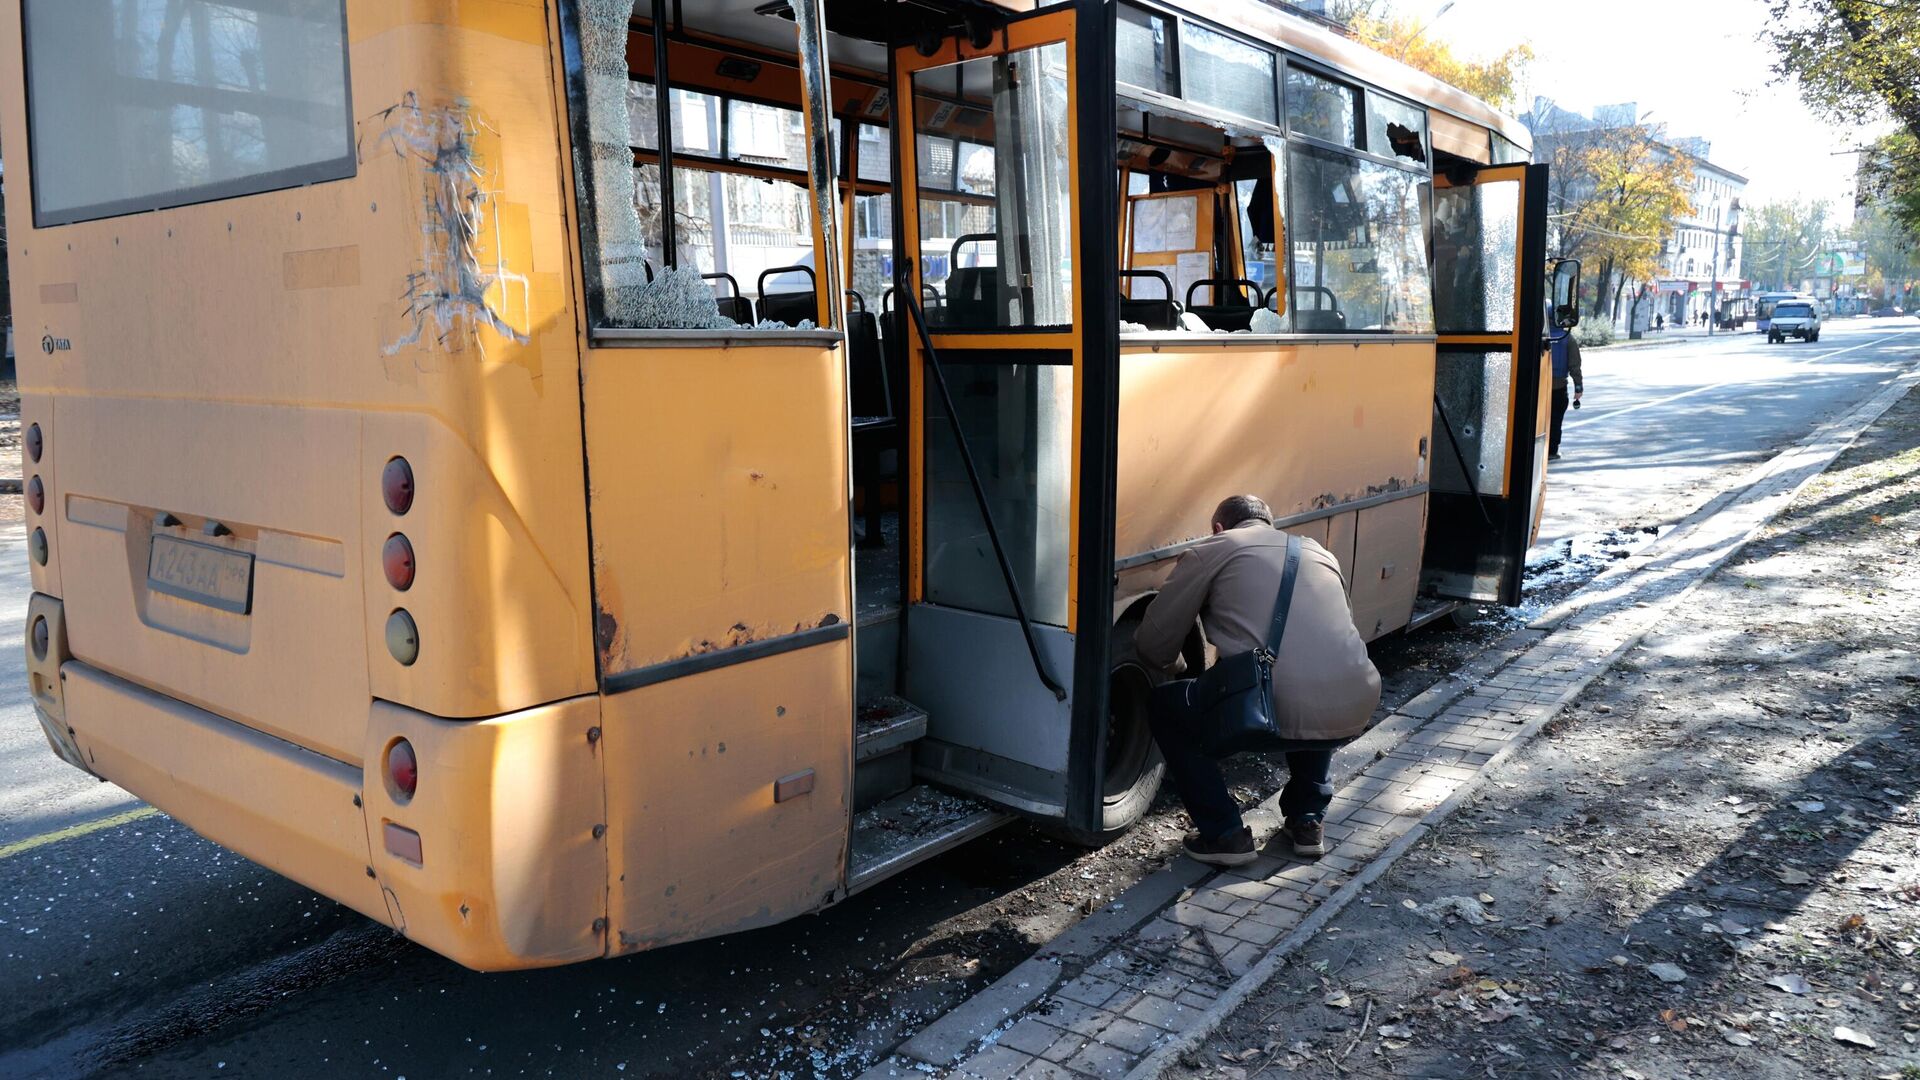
(215, 576)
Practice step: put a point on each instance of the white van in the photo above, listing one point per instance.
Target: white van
(1799, 317)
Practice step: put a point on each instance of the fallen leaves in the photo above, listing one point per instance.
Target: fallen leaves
(1854, 1038)
(1668, 973)
(1791, 984)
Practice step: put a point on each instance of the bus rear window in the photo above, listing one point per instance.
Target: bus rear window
(139, 105)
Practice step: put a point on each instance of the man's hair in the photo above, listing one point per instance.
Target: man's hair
(1239, 509)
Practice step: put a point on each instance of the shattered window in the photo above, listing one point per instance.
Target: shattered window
(140, 105)
(729, 229)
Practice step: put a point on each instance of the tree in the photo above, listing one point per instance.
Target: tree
(1859, 60)
(1618, 191)
(1851, 56)
(1493, 80)
(1782, 240)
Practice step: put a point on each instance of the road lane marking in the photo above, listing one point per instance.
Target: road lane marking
(19, 847)
(1715, 386)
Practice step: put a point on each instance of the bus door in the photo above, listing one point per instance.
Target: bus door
(1491, 388)
(990, 299)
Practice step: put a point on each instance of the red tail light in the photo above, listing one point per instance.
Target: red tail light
(396, 485)
(41, 637)
(403, 770)
(36, 494)
(397, 558)
(33, 443)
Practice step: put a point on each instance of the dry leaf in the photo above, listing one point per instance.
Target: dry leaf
(1792, 984)
(1856, 1038)
(1793, 875)
(1444, 958)
(1738, 1038)
(1668, 973)
(1337, 999)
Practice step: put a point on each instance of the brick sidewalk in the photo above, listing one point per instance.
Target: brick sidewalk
(1124, 994)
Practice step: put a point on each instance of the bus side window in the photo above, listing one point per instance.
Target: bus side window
(730, 226)
(1357, 234)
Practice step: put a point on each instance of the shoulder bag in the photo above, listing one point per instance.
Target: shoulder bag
(1230, 705)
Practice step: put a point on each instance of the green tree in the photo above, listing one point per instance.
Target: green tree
(1493, 80)
(1855, 61)
(1782, 239)
(1851, 57)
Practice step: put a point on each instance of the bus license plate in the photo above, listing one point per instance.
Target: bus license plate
(215, 576)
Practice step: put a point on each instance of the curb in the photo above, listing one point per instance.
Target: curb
(1263, 972)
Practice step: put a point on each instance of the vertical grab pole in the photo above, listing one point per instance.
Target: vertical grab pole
(663, 133)
(816, 92)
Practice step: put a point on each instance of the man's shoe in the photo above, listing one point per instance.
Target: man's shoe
(1308, 837)
(1233, 849)
(1555, 456)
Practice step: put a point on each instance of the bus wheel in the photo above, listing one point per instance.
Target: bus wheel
(1133, 769)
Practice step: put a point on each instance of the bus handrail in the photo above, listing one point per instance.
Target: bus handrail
(912, 307)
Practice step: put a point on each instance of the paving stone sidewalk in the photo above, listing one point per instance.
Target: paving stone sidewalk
(1124, 994)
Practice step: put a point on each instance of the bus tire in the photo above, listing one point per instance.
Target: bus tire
(1134, 769)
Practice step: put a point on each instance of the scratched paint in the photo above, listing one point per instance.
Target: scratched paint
(457, 288)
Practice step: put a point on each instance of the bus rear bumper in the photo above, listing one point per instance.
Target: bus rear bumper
(506, 867)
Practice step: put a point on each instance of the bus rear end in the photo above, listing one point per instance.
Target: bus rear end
(303, 424)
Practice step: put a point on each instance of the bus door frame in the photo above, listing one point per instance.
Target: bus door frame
(1477, 541)
(1087, 28)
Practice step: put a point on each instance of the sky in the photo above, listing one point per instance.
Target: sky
(1693, 64)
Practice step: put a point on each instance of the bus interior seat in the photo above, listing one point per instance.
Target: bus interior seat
(973, 292)
(1154, 313)
(1324, 316)
(876, 426)
(791, 308)
(1236, 313)
(735, 307)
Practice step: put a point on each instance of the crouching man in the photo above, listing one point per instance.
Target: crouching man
(1325, 687)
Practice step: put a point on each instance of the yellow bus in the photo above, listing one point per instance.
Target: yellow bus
(564, 479)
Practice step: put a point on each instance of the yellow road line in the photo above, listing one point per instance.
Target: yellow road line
(71, 831)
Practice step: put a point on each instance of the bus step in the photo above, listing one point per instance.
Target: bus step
(884, 731)
(911, 827)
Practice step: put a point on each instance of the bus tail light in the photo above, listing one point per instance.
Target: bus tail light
(34, 443)
(36, 494)
(396, 485)
(397, 558)
(403, 770)
(403, 637)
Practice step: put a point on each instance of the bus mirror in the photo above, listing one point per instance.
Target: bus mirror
(1566, 294)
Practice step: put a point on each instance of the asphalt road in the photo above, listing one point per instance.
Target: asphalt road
(136, 948)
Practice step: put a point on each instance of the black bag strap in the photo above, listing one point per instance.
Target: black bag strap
(1285, 600)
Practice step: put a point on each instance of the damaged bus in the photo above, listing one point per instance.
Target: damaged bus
(554, 555)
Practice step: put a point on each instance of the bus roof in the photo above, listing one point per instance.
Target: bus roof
(1315, 41)
(853, 45)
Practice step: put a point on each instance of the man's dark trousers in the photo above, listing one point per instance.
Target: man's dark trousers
(1197, 779)
(1560, 401)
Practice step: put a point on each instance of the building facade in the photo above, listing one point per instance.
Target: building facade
(1700, 248)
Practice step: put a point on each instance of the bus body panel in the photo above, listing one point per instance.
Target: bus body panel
(288, 809)
(1197, 422)
(508, 815)
(731, 796)
(254, 362)
(719, 497)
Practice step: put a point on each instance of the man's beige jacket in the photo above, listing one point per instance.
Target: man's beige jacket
(1324, 685)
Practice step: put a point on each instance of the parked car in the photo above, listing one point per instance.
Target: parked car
(1794, 318)
(1889, 312)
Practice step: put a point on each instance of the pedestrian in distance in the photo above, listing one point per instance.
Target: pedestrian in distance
(1660, 322)
(1323, 688)
(1566, 365)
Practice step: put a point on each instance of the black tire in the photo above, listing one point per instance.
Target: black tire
(1815, 336)
(1134, 768)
